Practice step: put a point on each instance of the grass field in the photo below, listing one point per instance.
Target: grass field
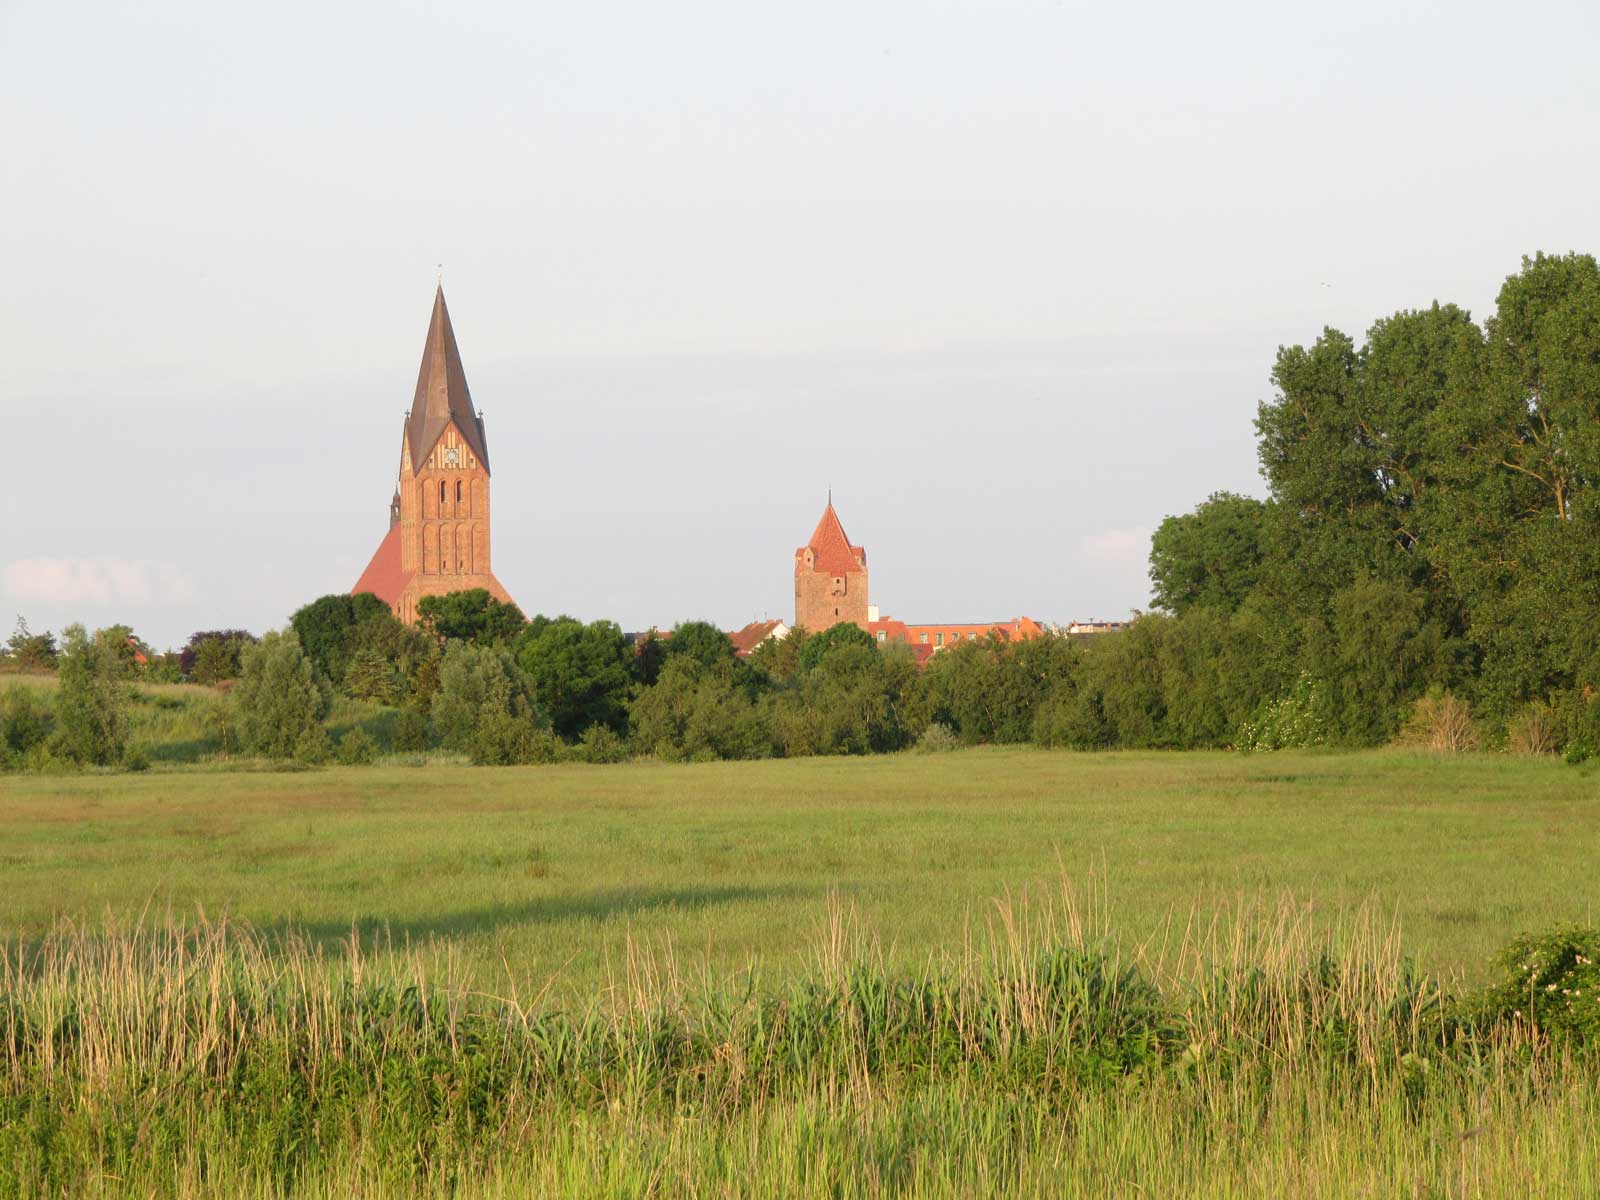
(545, 872)
(983, 972)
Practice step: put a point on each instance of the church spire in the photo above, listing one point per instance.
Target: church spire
(442, 395)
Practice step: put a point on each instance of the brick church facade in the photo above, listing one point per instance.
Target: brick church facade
(438, 539)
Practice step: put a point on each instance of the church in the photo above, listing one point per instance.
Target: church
(438, 539)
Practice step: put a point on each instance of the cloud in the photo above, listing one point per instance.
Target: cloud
(97, 581)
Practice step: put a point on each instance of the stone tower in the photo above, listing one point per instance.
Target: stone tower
(438, 539)
(830, 578)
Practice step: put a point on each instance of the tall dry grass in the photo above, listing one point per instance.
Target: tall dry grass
(1237, 1049)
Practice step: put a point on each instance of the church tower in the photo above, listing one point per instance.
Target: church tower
(438, 539)
(830, 578)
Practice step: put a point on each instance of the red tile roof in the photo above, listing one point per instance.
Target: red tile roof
(831, 549)
(383, 576)
(751, 636)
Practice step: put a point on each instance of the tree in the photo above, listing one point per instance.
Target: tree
(697, 712)
(213, 655)
(580, 674)
(1210, 557)
(30, 651)
(650, 654)
(281, 704)
(779, 658)
(701, 641)
(484, 706)
(326, 629)
(470, 616)
(91, 726)
(829, 641)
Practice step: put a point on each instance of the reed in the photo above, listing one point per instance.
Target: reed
(1246, 1049)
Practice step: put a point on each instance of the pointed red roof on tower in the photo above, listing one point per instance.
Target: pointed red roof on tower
(442, 395)
(831, 549)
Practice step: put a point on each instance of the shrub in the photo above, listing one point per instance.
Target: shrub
(1534, 730)
(579, 674)
(213, 655)
(356, 748)
(1550, 982)
(135, 758)
(280, 702)
(504, 739)
(370, 676)
(1294, 721)
(29, 651)
(478, 685)
(409, 732)
(600, 744)
(1443, 723)
(937, 738)
(24, 722)
(90, 723)
(313, 747)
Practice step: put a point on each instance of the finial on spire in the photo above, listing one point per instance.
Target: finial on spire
(830, 495)
(439, 275)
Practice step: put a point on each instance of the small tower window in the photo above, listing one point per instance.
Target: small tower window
(441, 493)
(458, 491)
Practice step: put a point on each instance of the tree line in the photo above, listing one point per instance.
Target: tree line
(1426, 560)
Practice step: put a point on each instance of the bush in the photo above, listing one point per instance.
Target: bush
(1534, 730)
(135, 758)
(409, 732)
(1292, 722)
(1550, 982)
(482, 703)
(600, 744)
(1442, 723)
(937, 738)
(504, 739)
(313, 747)
(24, 722)
(356, 748)
(280, 703)
(91, 726)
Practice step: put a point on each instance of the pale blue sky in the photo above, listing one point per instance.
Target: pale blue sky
(1008, 276)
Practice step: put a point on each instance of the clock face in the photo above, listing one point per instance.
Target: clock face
(452, 457)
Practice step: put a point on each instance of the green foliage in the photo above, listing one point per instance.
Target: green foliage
(701, 641)
(1549, 982)
(1211, 557)
(90, 718)
(990, 690)
(600, 744)
(371, 676)
(841, 638)
(580, 674)
(1294, 721)
(485, 707)
(409, 733)
(696, 712)
(470, 616)
(24, 723)
(937, 738)
(29, 651)
(356, 748)
(313, 747)
(779, 658)
(280, 702)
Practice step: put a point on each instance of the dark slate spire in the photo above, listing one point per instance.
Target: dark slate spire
(442, 394)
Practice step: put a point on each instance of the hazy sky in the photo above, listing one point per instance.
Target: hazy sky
(1009, 277)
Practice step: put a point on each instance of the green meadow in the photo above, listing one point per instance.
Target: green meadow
(542, 874)
(981, 972)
